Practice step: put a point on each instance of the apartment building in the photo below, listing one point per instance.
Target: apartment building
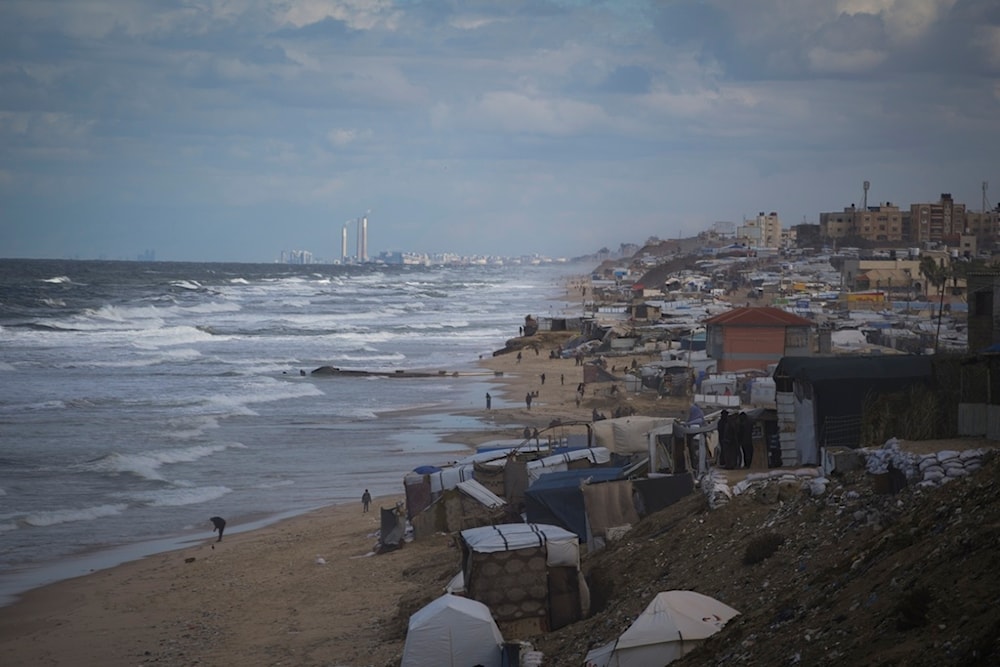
(874, 223)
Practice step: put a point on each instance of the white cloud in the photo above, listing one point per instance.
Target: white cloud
(518, 112)
(343, 136)
(356, 14)
(905, 20)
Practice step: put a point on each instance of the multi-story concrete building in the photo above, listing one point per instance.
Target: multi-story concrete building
(874, 223)
(984, 225)
(941, 222)
(762, 232)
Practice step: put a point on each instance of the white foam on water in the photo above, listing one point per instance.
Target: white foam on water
(178, 497)
(53, 517)
(148, 464)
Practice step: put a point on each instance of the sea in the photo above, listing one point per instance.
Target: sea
(138, 399)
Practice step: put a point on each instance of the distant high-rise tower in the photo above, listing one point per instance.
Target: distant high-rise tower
(357, 254)
(343, 243)
(364, 238)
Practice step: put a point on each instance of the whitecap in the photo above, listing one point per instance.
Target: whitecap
(147, 464)
(53, 517)
(57, 280)
(177, 497)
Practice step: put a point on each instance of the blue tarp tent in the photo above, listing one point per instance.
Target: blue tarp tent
(556, 498)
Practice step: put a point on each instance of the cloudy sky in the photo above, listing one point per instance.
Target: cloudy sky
(235, 129)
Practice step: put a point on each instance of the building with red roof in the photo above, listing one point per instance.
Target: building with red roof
(756, 337)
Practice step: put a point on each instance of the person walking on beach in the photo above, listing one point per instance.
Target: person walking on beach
(366, 500)
(489, 400)
(518, 356)
(527, 400)
(542, 376)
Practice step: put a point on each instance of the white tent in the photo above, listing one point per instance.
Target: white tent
(452, 631)
(627, 435)
(673, 624)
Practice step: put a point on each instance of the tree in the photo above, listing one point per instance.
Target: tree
(933, 273)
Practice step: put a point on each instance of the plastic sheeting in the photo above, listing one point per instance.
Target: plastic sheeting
(562, 546)
(627, 435)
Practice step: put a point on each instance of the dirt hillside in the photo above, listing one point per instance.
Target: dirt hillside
(850, 577)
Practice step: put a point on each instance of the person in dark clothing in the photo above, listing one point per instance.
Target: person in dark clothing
(489, 401)
(731, 444)
(366, 500)
(721, 429)
(220, 525)
(745, 435)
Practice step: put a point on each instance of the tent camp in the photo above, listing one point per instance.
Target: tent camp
(672, 625)
(452, 630)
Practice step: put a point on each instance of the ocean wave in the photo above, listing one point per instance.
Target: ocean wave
(353, 413)
(147, 464)
(53, 517)
(57, 280)
(179, 496)
(192, 285)
(4, 366)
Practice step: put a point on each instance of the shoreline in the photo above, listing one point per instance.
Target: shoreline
(262, 596)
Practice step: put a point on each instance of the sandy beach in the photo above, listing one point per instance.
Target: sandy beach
(304, 591)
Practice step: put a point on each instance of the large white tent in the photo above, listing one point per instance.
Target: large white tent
(452, 631)
(673, 624)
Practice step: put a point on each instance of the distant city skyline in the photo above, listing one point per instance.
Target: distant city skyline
(230, 131)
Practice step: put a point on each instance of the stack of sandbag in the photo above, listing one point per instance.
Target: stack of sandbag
(946, 465)
(806, 479)
(715, 486)
(879, 459)
(924, 470)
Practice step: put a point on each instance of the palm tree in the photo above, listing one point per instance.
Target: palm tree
(937, 274)
(933, 273)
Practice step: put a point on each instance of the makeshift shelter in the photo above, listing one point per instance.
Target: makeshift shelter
(527, 574)
(557, 498)
(671, 626)
(424, 485)
(453, 630)
(627, 435)
(468, 505)
(392, 529)
(821, 399)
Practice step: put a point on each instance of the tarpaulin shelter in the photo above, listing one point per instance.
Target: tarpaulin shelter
(557, 499)
(392, 529)
(672, 625)
(468, 505)
(525, 572)
(452, 631)
(627, 435)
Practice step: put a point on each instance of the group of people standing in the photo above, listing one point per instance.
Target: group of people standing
(735, 440)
